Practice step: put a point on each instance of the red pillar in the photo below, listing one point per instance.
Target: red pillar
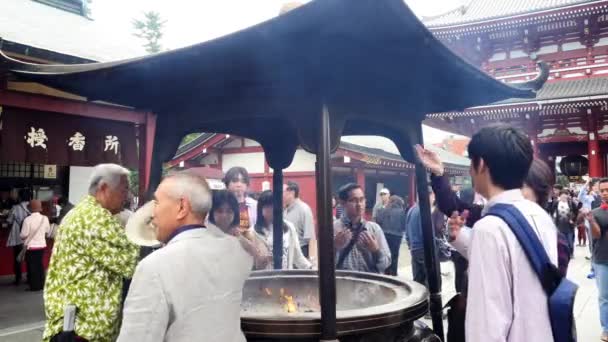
(146, 146)
(360, 178)
(593, 147)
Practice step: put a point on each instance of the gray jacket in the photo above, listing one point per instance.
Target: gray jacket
(392, 220)
(189, 290)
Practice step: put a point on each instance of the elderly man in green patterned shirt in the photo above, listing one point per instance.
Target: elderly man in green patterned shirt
(90, 258)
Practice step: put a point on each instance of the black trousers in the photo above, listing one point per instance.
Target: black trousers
(16, 264)
(35, 271)
(461, 266)
(394, 244)
(305, 250)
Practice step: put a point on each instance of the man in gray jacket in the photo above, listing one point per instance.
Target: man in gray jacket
(191, 289)
(299, 214)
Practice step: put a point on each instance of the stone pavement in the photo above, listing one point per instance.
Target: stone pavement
(22, 316)
(21, 313)
(586, 309)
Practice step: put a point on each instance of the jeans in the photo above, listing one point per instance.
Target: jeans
(418, 270)
(570, 238)
(601, 276)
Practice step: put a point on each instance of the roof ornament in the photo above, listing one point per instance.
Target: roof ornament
(536, 83)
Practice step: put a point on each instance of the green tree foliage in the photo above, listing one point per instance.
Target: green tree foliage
(86, 7)
(188, 138)
(150, 29)
(134, 182)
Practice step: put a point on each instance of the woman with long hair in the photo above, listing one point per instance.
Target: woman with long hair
(292, 255)
(537, 188)
(225, 215)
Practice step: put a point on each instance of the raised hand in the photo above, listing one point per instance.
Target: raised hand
(369, 241)
(430, 160)
(456, 222)
(342, 238)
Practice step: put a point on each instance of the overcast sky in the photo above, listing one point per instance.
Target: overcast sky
(194, 21)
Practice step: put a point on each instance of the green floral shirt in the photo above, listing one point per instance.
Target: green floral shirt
(90, 258)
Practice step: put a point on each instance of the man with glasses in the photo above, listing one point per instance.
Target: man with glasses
(360, 244)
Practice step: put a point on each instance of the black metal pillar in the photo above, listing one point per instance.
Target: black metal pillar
(431, 262)
(327, 265)
(277, 218)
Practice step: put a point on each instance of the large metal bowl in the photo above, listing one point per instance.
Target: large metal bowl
(366, 303)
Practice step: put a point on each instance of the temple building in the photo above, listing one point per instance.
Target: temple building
(507, 40)
(50, 139)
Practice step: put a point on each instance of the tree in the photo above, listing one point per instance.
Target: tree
(188, 138)
(150, 29)
(86, 7)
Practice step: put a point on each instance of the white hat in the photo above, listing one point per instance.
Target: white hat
(140, 230)
(385, 191)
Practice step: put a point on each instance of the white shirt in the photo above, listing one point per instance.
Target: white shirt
(292, 254)
(189, 290)
(506, 301)
(34, 229)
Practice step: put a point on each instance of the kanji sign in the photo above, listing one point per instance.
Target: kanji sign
(77, 141)
(112, 143)
(36, 138)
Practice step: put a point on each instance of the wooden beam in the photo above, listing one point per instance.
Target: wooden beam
(37, 88)
(70, 107)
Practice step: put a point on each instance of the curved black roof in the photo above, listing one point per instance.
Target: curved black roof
(371, 63)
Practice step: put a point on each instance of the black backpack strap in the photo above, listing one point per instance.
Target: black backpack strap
(346, 251)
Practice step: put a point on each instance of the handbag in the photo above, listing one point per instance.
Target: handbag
(21, 255)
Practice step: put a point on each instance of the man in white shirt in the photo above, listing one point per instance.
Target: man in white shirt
(506, 301)
(191, 289)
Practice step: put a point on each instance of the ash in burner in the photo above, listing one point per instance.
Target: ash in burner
(280, 301)
(364, 294)
(287, 297)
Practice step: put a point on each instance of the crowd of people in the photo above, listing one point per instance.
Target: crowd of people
(167, 301)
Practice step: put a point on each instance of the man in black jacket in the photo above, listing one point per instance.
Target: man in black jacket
(448, 202)
(392, 221)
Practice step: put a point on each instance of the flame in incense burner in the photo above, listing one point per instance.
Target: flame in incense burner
(290, 305)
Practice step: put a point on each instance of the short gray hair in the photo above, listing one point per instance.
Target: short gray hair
(194, 188)
(109, 174)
